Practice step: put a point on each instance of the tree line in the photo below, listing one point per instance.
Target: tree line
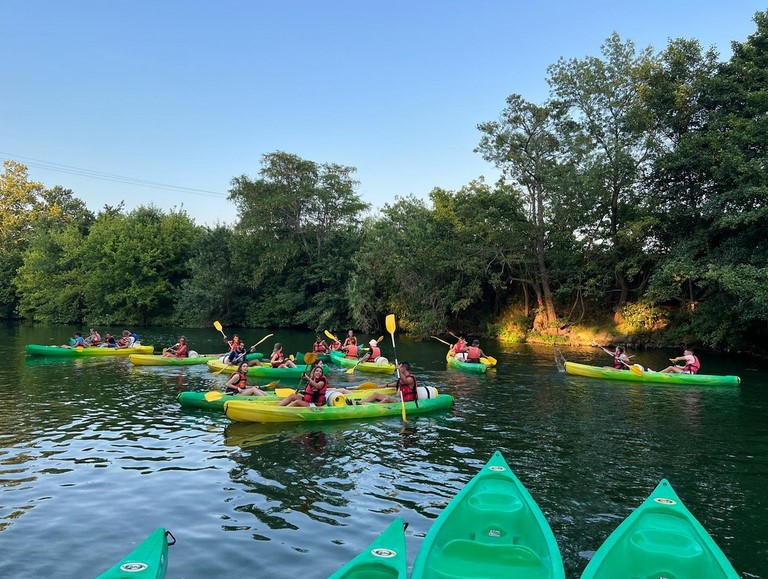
(634, 195)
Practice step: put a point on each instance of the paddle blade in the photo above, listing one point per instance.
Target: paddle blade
(213, 395)
(636, 370)
(217, 325)
(351, 370)
(493, 360)
(367, 386)
(390, 323)
(284, 392)
(380, 339)
(310, 358)
(454, 335)
(330, 335)
(402, 407)
(272, 384)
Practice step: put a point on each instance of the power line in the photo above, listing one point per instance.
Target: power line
(79, 171)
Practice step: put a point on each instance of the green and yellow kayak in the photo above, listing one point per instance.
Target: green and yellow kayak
(491, 528)
(244, 411)
(262, 371)
(147, 561)
(661, 538)
(383, 559)
(339, 359)
(197, 399)
(478, 368)
(66, 352)
(649, 376)
(325, 358)
(159, 360)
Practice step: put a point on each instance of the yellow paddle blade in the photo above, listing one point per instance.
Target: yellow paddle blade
(217, 325)
(636, 370)
(493, 360)
(284, 392)
(213, 395)
(330, 335)
(351, 370)
(309, 358)
(390, 323)
(380, 339)
(367, 386)
(272, 384)
(488, 361)
(402, 407)
(264, 338)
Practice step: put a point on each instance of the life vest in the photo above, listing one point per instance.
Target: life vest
(123, 342)
(317, 396)
(280, 358)
(336, 345)
(95, 340)
(459, 346)
(351, 351)
(374, 353)
(239, 385)
(182, 351)
(233, 345)
(319, 347)
(409, 394)
(474, 354)
(617, 362)
(692, 368)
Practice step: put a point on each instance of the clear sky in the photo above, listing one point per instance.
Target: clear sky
(191, 93)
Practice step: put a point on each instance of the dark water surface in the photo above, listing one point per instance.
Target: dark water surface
(96, 453)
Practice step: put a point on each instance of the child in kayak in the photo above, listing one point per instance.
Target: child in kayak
(126, 341)
(350, 340)
(474, 353)
(278, 359)
(94, 339)
(620, 358)
(109, 341)
(691, 366)
(314, 392)
(77, 342)
(178, 350)
(238, 383)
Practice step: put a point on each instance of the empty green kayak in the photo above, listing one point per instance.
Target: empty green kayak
(650, 376)
(339, 359)
(383, 559)
(661, 538)
(491, 528)
(147, 561)
(478, 368)
(66, 352)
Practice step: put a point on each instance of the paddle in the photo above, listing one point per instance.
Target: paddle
(217, 325)
(331, 336)
(364, 386)
(218, 394)
(489, 361)
(390, 323)
(217, 372)
(439, 340)
(636, 369)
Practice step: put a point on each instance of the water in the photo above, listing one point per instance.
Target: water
(96, 453)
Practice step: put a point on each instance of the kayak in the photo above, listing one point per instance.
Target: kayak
(264, 371)
(339, 359)
(661, 538)
(383, 559)
(649, 376)
(491, 528)
(147, 561)
(37, 350)
(478, 368)
(325, 358)
(270, 412)
(159, 360)
(197, 399)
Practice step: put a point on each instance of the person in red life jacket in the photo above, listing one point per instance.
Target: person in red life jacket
(350, 339)
(109, 341)
(278, 359)
(314, 391)
(459, 349)
(406, 384)
(351, 351)
(620, 358)
(691, 366)
(320, 347)
(126, 341)
(94, 339)
(373, 354)
(233, 344)
(178, 350)
(335, 346)
(238, 383)
(474, 353)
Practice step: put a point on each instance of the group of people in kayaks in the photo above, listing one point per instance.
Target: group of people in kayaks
(128, 339)
(691, 364)
(463, 352)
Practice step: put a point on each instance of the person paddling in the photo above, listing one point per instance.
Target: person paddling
(238, 383)
(93, 339)
(620, 358)
(373, 354)
(314, 392)
(77, 342)
(320, 347)
(691, 365)
(179, 350)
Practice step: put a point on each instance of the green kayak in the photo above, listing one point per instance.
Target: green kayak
(339, 359)
(159, 360)
(263, 371)
(197, 399)
(661, 538)
(649, 376)
(478, 368)
(383, 559)
(147, 561)
(491, 528)
(240, 411)
(66, 352)
(325, 358)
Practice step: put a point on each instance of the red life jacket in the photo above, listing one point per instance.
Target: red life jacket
(317, 396)
(409, 394)
(474, 354)
(375, 353)
(692, 368)
(319, 347)
(617, 362)
(95, 341)
(279, 360)
(240, 384)
(351, 351)
(122, 342)
(336, 345)
(182, 351)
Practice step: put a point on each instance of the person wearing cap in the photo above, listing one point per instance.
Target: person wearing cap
(178, 350)
(373, 354)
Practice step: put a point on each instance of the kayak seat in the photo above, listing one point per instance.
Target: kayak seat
(661, 542)
(463, 559)
(497, 502)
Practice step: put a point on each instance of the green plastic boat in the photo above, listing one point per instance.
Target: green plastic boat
(243, 411)
(660, 539)
(197, 399)
(325, 358)
(66, 352)
(160, 360)
(383, 559)
(264, 371)
(339, 359)
(649, 376)
(492, 528)
(147, 561)
(478, 368)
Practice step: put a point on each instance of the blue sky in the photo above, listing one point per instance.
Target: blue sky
(191, 94)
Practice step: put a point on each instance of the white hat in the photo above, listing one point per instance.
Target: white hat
(373, 343)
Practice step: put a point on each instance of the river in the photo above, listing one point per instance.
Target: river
(96, 453)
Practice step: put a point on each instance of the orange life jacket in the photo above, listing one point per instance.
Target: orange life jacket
(351, 351)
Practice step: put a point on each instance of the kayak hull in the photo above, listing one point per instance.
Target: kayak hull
(325, 358)
(661, 538)
(248, 412)
(339, 359)
(159, 360)
(266, 371)
(197, 399)
(491, 528)
(478, 368)
(38, 350)
(383, 559)
(647, 376)
(147, 561)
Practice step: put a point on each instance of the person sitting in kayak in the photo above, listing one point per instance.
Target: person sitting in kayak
(474, 353)
(278, 359)
(320, 346)
(373, 354)
(236, 355)
(135, 339)
(405, 384)
(691, 366)
(620, 358)
(350, 351)
(237, 384)
(77, 341)
(178, 350)
(459, 349)
(126, 341)
(109, 341)
(314, 392)
(350, 340)
(335, 346)
(94, 338)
